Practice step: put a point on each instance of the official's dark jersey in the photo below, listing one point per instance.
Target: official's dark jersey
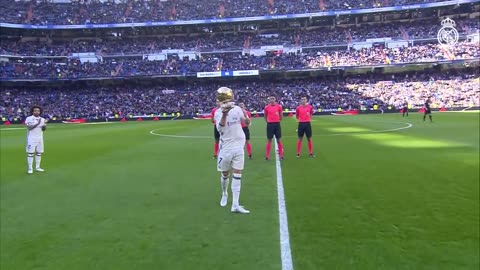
(427, 105)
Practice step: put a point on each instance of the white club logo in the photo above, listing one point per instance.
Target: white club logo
(448, 34)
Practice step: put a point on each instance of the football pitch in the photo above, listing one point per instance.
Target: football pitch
(384, 192)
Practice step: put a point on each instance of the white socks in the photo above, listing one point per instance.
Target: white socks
(224, 183)
(38, 159)
(236, 184)
(30, 161)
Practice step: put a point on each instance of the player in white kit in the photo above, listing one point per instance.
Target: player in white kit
(232, 140)
(36, 125)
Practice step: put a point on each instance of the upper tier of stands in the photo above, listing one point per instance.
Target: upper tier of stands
(214, 42)
(95, 12)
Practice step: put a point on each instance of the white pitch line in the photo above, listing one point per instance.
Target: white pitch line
(466, 109)
(407, 125)
(178, 136)
(6, 129)
(93, 123)
(285, 251)
(96, 123)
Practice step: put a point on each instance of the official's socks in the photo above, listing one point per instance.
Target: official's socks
(215, 149)
(267, 150)
(249, 149)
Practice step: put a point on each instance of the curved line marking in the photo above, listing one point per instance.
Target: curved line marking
(407, 125)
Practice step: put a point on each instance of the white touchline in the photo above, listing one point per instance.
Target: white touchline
(71, 124)
(285, 251)
(15, 128)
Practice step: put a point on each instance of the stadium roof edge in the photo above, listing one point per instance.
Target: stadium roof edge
(241, 20)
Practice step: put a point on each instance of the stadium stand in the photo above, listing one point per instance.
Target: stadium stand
(375, 43)
(447, 90)
(425, 29)
(94, 11)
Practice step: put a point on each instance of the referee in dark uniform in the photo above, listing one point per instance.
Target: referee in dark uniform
(428, 110)
(405, 109)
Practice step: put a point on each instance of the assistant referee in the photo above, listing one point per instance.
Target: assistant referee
(304, 114)
(273, 114)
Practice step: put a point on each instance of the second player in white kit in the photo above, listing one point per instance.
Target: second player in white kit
(36, 125)
(231, 155)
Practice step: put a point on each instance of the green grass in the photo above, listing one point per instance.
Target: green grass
(116, 197)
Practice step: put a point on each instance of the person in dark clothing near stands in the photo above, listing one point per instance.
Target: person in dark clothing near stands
(405, 109)
(428, 110)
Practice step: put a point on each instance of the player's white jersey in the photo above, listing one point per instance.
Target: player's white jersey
(36, 134)
(231, 135)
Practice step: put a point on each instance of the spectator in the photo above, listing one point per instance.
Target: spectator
(95, 12)
(110, 67)
(446, 90)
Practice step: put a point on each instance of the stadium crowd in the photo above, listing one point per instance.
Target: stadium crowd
(95, 11)
(212, 42)
(174, 65)
(446, 89)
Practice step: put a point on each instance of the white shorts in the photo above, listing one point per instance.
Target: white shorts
(230, 159)
(35, 147)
